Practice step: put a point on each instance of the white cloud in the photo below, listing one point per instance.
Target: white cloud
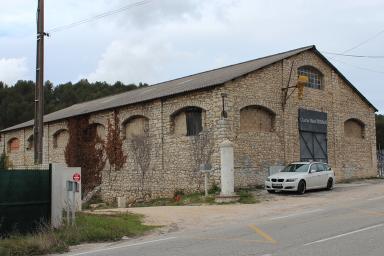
(129, 61)
(13, 69)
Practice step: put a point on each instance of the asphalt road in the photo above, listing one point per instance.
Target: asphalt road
(345, 229)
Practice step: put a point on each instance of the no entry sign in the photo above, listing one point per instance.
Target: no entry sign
(76, 177)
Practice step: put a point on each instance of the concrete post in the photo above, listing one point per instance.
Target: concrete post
(227, 166)
(227, 173)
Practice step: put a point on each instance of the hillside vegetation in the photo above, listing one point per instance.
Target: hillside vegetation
(17, 102)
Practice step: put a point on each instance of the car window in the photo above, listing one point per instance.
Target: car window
(314, 167)
(320, 168)
(296, 168)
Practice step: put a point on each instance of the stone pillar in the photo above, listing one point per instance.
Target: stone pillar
(223, 128)
(227, 168)
(227, 173)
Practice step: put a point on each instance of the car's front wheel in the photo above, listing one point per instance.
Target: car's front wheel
(330, 184)
(301, 187)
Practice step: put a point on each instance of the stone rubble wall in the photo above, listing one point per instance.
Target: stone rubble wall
(173, 166)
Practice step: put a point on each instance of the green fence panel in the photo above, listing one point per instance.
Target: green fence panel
(25, 200)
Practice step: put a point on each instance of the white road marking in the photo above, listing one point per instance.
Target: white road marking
(345, 234)
(376, 198)
(295, 214)
(122, 246)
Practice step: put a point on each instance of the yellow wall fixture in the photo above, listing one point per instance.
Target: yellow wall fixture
(301, 82)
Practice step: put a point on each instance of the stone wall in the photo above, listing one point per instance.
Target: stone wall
(175, 158)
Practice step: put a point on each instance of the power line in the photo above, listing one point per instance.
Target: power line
(98, 16)
(353, 55)
(358, 67)
(364, 42)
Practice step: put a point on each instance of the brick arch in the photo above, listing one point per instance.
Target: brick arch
(60, 138)
(135, 125)
(257, 118)
(187, 121)
(354, 128)
(13, 145)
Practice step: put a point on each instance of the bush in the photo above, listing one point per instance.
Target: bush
(214, 189)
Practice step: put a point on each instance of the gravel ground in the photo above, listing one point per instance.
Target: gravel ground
(206, 216)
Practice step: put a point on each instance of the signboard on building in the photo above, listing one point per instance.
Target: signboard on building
(312, 121)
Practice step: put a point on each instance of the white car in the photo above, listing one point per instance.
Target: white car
(300, 177)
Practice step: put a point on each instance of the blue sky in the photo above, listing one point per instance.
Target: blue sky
(166, 39)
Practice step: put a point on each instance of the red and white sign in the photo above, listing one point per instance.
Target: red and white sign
(76, 177)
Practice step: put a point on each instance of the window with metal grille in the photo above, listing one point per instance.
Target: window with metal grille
(315, 78)
(194, 121)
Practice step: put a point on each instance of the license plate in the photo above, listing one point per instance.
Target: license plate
(277, 185)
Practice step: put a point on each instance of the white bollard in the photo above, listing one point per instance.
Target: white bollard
(227, 168)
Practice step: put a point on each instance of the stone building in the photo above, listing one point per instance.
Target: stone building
(254, 104)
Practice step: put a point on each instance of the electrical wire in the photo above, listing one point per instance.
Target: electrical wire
(353, 55)
(363, 42)
(358, 67)
(98, 16)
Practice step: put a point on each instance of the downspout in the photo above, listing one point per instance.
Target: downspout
(283, 113)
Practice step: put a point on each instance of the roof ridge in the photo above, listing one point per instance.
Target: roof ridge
(183, 77)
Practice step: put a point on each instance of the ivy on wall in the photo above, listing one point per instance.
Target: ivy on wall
(114, 149)
(85, 149)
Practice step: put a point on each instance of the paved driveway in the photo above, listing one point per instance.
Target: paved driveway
(346, 221)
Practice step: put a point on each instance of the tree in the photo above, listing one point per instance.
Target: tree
(202, 150)
(17, 102)
(141, 149)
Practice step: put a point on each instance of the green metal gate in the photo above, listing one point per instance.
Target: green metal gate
(25, 200)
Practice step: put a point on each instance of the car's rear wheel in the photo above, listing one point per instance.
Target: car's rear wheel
(301, 187)
(330, 184)
(271, 191)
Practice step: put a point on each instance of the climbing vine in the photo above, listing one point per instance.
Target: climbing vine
(85, 149)
(114, 149)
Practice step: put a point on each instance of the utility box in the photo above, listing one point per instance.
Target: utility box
(63, 180)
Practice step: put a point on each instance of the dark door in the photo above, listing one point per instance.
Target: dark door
(313, 135)
(313, 146)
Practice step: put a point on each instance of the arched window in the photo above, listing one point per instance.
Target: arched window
(93, 130)
(29, 143)
(256, 119)
(13, 145)
(354, 128)
(60, 138)
(135, 126)
(188, 121)
(315, 77)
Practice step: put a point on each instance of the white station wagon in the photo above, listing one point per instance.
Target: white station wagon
(301, 176)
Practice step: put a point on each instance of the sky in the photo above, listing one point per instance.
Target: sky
(161, 40)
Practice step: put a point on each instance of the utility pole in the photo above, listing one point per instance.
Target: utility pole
(39, 88)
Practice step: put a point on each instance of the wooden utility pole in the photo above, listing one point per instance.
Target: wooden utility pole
(39, 88)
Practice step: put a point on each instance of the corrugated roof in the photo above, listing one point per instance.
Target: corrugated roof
(173, 87)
